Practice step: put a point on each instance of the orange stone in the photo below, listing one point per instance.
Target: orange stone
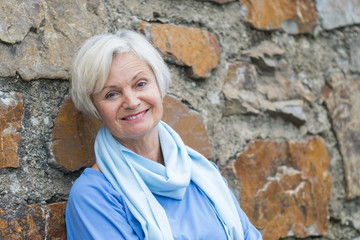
(11, 115)
(189, 126)
(55, 227)
(74, 134)
(26, 222)
(34, 222)
(73, 138)
(293, 16)
(285, 187)
(192, 47)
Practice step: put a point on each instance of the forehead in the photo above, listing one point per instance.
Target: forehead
(128, 62)
(124, 66)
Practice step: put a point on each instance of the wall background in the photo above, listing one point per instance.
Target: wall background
(268, 90)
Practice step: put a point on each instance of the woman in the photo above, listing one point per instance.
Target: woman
(146, 184)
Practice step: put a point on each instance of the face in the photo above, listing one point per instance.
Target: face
(130, 104)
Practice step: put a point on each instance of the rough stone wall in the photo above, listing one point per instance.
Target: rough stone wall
(268, 90)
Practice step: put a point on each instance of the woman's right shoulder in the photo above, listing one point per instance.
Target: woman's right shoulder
(92, 184)
(90, 179)
(95, 210)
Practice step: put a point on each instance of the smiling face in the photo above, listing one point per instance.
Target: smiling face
(130, 104)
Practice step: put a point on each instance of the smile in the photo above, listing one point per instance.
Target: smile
(135, 116)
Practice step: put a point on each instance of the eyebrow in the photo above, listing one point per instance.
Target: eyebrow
(134, 78)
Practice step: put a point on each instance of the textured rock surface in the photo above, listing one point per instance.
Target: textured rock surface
(55, 227)
(285, 186)
(27, 222)
(11, 116)
(293, 16)
(342, 96)
(189, 125)
(354, 53)
(18, 17)
(264, 82)
(337, 13)
(73, 139)
(47, 35)
(192, 47)
(33, 222)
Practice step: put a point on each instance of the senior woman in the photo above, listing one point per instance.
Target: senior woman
(146, 184)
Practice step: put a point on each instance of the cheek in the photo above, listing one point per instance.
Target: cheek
(160, 108)
(153, 97)
(158, 102)
(106, 111)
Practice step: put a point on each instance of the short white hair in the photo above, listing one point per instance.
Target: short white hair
(91, 65)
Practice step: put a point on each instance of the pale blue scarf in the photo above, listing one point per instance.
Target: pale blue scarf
(137, 178)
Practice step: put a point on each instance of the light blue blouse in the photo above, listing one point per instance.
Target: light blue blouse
(95, 210)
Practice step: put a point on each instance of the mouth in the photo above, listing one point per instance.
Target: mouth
(136, 116)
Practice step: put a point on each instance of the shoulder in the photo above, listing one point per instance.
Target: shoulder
(93, 188)
(90, 179)
(93, 202)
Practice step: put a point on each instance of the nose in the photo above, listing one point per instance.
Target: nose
(131, 100)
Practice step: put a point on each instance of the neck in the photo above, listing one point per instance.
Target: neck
(147, 146)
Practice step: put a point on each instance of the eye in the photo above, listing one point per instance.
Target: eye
(110, 95)
(141, 84)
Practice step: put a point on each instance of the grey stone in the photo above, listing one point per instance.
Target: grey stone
(355, 54)
(337, 13)
(48, 53)
(265, 56)
(8, 61)
(18, 17)
(267, 85)
(342, 97)
(240, 100)
(290, 26)
(291, 111)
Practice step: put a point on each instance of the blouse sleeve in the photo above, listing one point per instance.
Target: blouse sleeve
(93, 213)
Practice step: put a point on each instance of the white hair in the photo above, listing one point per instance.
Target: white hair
(92, 64)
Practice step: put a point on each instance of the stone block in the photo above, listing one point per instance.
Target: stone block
(74, 133)
(11, 116)
(354, 52)
(25, 222)
(189, 125)
(338, 13)
(342, 98)
(73, 137)
(55, 227)
(292, 16)
(285, 186)
(34, 222)
(192, 47)
(18, 17)
(47, 34)
(291, 110)
(263, 81)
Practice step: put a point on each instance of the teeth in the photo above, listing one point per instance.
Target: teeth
(135, 116)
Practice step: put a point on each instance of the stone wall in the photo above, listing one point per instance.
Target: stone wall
(268, 90)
